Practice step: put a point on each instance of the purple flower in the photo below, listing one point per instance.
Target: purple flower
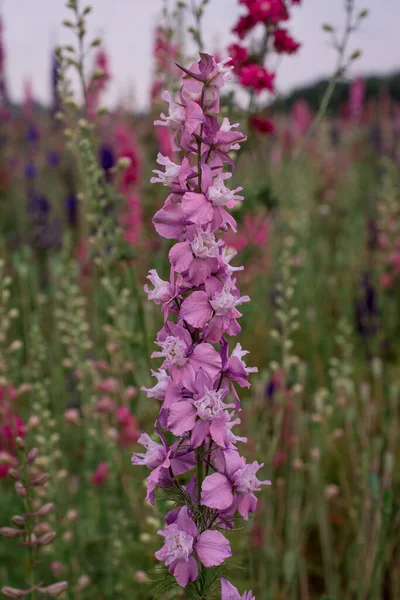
(53, 159)
(182, 542)
(30, 170)
(71, 208)
(107, 160)
(32, 135)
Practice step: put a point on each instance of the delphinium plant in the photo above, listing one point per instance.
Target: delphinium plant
(199, 371)
(30, 527)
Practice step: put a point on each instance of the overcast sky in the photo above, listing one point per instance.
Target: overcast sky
(32, 28)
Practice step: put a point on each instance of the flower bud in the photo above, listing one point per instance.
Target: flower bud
(46, 539)
(45, 510)
(68, 536)
(20, 489)
(39, 480)
(55, 590)
(57, 568)
(123, 163)
(42, 528)
(10, 592)
(14, 474)
(141, 577)
(71, 515)
(32, 455)
(20, 443)
(331, 491)
(83, 582)
(10, 532)
(18, 520)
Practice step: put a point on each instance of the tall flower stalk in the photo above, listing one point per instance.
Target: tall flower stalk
(199, 371)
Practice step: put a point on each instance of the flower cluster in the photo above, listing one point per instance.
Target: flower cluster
(248, 64)
(200, 304)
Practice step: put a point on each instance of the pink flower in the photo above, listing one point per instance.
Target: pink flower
(199, 304)
(257, 77)
(153, 457)
(132, 221)
(173, 172)
(386, 281)
(234, 490)
(183, 358)
(72, 415)
(108, 386)
(159, 390)
(163, 292)
(203, 412)
(182, 542)
(218, 313)
(101, 474)
(105, 405)
(229, 592)
(197, 257)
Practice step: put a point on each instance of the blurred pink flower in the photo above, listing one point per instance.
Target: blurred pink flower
(101, 474)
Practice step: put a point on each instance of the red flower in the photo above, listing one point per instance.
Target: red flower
(243, 26)
(284, 42)
(268, 10)
(257, 77)
(239, 56)
(261, 124)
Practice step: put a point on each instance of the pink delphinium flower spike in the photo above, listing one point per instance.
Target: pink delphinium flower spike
(196, 382)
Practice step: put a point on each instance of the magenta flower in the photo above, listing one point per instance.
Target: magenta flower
(283, 42)
(183, 542)
(101, 474)
(257, 77)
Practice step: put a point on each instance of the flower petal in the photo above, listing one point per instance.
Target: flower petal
(216, 492)
(196, 309)
(212, 548)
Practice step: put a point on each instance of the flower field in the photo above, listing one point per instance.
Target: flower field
(200, 324)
